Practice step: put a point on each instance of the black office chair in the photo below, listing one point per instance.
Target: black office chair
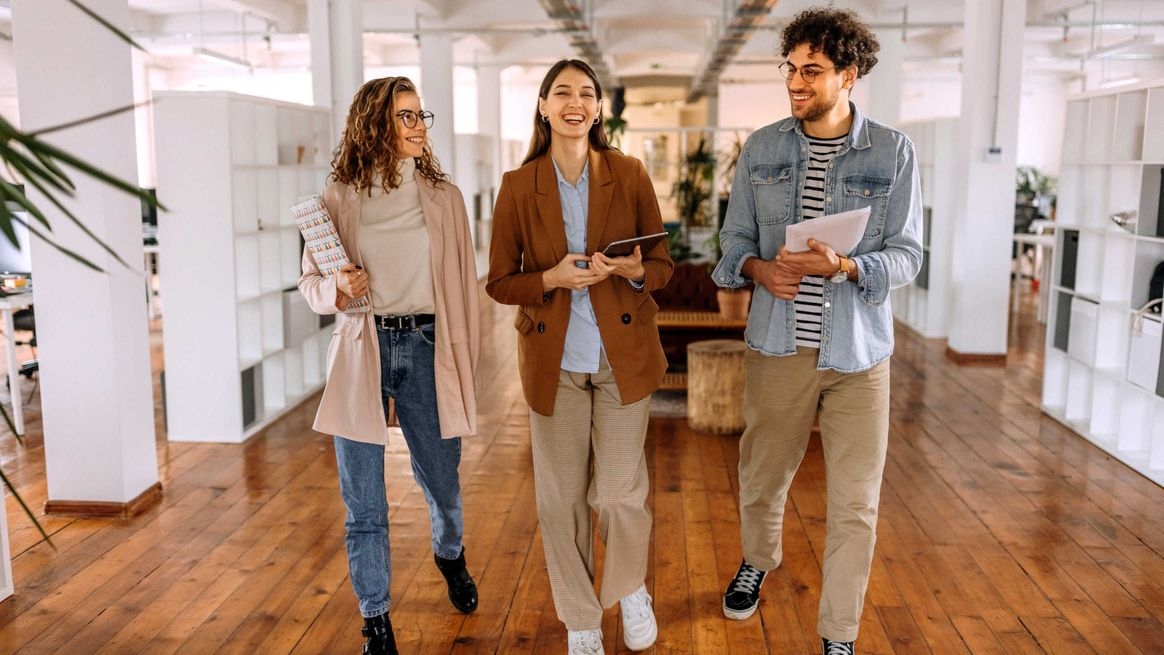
(25, 320)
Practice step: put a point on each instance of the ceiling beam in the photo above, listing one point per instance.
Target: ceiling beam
(747, 16)
(570, 18)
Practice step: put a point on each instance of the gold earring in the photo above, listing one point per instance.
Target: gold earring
(545, 118)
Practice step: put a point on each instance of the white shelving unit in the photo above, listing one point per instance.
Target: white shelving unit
(241, 347)
(923, 305)
(1101, 379)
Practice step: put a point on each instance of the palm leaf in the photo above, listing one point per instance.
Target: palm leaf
(39, 527)
(109, 26)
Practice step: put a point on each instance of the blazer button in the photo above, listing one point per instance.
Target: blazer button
(541, 327)
(626, 319)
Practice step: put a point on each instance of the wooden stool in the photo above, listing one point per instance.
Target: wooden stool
(715, 386)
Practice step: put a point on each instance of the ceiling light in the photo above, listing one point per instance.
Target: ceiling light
(221, 58)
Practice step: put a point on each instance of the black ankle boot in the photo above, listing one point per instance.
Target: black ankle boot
(462, 589)
(378, 631)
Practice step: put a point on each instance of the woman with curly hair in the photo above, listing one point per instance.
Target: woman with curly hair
(406, 231)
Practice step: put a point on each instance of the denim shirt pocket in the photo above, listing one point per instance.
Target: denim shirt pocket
(772, 186)
(868, 191)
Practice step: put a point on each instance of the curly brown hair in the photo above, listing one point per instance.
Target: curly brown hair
(366, 148)
(839, 33)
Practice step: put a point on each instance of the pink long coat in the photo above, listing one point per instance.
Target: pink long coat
(351, 406)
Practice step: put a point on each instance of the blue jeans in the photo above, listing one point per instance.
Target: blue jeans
(407, 374)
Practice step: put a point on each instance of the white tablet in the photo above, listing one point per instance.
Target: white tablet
(626, 247)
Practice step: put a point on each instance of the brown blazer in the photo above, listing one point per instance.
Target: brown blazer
(529, 237)
(352, 406)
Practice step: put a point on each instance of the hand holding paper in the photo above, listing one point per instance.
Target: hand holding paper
(841, 232)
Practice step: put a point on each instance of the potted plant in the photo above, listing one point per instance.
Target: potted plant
(733, 301)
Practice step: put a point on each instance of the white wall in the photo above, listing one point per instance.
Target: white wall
(8, 104)
(931, 97)
(752, 105)
(1042, 119)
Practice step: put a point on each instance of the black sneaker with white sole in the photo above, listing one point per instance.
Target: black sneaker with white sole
(743, 594)
(836, 647)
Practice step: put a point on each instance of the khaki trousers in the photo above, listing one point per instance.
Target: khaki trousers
(589, 455)
(782, 396)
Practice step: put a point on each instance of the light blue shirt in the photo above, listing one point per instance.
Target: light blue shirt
(583, 341)
(875, 168)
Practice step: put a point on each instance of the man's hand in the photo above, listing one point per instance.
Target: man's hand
(819, 260)
(777, 278)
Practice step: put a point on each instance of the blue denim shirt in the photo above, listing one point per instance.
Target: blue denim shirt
(876, 168)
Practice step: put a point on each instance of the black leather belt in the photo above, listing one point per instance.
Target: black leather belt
(405, 322)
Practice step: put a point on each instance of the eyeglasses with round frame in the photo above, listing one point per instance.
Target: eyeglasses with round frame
(410, 118)
(808, 73)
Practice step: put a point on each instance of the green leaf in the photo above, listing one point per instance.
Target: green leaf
(39, 527)
(76, 221)
(61, 249)
(109, 26)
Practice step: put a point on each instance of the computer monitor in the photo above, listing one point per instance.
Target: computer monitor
(149, 212)
(13, 260)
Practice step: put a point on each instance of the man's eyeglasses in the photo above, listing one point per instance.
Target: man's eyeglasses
(808, 73)
(409, 118)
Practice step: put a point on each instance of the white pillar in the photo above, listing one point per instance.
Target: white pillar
(883, 84)
(436, 89)
(489, 118)
(96, 389)
(337, 55)
(987, 144)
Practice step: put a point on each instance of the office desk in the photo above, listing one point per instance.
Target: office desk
(1041, 270)
(8, 306)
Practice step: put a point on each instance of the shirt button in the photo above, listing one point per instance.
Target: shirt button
(828, 198)
(866, 193)
(830, 164)
(541, 327)
(828, 304)
(626, 319)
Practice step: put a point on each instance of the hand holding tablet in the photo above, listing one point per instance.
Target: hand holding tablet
(626, 247)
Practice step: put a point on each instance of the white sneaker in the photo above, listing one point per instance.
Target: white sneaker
(586, 642)
(639, 628)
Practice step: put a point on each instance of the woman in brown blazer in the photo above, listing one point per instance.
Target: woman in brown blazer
(405, 230)
(588, 348)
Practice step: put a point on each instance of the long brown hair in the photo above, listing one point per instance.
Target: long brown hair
(539, 143)
(367, 148)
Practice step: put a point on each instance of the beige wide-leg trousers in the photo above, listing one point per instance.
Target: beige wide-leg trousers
(589, 455)
(782, 396)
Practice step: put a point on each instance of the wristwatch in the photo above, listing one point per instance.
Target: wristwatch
(842, 273)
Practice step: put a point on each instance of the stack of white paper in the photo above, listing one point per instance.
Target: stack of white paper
(321, 239)
(841, 232)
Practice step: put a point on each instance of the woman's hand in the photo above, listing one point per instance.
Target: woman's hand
(630, 267)
(572, 272)
(351, 282)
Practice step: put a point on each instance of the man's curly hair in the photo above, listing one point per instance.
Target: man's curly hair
(366, 150)
(838, 33)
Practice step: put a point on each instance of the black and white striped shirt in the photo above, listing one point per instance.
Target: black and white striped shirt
(812, 202)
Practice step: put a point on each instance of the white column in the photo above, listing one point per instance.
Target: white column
(436, 88)
(883, 84)
(96, 389)
(489, 119)
(987, 144)
(337, 55)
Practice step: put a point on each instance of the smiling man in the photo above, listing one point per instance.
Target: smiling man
(820, 330)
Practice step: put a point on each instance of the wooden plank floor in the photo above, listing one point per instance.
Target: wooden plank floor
(1001, 532)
